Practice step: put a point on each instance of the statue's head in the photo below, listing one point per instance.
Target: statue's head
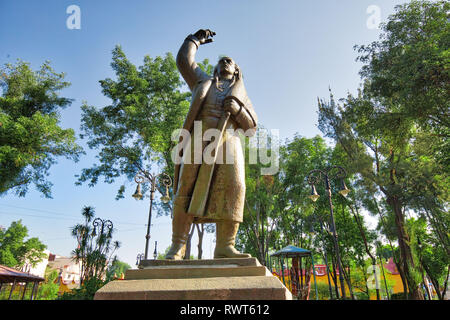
(226, 68)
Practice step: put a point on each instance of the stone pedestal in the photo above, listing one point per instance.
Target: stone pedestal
(216, 279)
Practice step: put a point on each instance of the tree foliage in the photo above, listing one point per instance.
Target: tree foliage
(261, 209)
(30, 136)
(409, 66)
(116, 269)
(135, 131)
(15, 251)
(48, 290)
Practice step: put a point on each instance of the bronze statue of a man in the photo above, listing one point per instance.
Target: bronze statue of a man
(203, 192)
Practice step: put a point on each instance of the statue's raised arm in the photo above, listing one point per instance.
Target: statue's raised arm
(189, 69)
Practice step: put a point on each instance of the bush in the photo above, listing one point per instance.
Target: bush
(49, 289)
(399, 296)
(86, 291)
(322, 289)
(361, 296)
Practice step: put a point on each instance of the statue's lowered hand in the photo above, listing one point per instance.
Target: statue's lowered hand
(231, 106)
(205, 36)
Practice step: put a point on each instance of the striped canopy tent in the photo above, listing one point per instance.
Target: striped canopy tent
(10, 275)
(295, 252)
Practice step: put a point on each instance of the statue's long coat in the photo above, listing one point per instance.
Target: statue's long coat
(227, 191)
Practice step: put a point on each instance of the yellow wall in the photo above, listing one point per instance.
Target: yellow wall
(392, 279)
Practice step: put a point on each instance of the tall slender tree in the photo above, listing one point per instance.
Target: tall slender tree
(95, 248)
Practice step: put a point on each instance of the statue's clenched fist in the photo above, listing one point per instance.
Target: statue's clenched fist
(204, 35)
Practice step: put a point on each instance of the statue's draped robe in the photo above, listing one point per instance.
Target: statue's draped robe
(227, 190)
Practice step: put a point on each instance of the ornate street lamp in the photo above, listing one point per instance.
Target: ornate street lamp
(314, 176)
(146, 177)
(101, 224)
(139, 257)
(343, 191)
(314, 195)
(155, 253)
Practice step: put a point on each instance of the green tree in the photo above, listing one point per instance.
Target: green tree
(116, 269)
(30, 136)
(15, 251)
(147, 106)
(380, 159)
(48, 290)
(298, 157)
(410, 63)
(262, 211)
(433, 258)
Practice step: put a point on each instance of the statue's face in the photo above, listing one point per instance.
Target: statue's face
(226, 67)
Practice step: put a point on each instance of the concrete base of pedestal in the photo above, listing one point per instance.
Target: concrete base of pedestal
(216, 279)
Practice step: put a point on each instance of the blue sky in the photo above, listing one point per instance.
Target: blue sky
(290, 51)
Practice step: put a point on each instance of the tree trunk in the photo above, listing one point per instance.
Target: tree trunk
(300, 274)
(348, 280)
(384, 277)
(365, 279)
(394, 258)
(187, 254)
(402, 276)
(405, 249)
(427, 288)
(259, 237)
(334, 276)
(366, 245)
(263, 239)
(444, 292)
(200, 232)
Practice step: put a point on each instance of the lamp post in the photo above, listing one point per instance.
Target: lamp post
(313, 178)
(146, 177)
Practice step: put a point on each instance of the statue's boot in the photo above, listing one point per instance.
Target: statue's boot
(181, 224)
(225, 240)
